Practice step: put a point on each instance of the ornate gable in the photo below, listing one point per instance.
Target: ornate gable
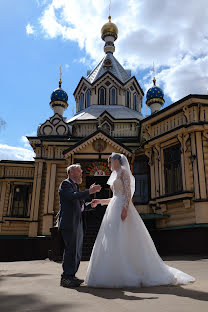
(99, 142)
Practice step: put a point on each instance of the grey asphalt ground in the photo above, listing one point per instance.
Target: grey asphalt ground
(34, 286)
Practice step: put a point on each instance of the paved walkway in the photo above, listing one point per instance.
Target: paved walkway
(34, 286)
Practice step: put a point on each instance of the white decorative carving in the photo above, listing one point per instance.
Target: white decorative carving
(186, 113)
(55, 126)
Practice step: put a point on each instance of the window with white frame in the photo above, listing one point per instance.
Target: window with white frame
(102, 95)
(21, 201)
(81, 101)
(128, 96)
(88, 98)
(135, 102)
(113, 96)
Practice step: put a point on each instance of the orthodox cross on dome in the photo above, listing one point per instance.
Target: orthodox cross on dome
(109, 9)
(154, 79)
(60, 81)
(109, 33)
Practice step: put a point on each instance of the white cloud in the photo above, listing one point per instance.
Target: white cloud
(188, 77)
(25, 141)
(67, 67)
(30, 29)
(15, 153)
(173, 34)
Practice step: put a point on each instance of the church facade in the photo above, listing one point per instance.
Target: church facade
(167, 151)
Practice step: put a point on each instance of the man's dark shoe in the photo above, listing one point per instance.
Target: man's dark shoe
(78, 279)
(69, 283)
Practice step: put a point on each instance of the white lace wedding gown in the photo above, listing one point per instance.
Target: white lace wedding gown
(124, 253)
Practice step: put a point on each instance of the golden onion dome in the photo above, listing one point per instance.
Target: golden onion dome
(109, 29)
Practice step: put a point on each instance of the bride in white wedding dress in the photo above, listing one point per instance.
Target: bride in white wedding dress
(124, 254)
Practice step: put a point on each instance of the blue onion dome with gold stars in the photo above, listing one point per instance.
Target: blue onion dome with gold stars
(155, 95)
(59, 94)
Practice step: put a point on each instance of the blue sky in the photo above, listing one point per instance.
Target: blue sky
(38, 36)
(30, 71)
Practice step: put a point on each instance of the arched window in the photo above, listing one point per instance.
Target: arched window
(88, 98)
(81, 101)
(128, 98)
(113, 96)
(102, 96)
(135, 102)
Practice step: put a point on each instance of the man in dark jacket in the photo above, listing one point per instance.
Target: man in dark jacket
(70, 223)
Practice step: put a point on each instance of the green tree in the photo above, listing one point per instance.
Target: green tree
(2, 123)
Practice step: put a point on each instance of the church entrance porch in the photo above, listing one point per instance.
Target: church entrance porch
(94, 172)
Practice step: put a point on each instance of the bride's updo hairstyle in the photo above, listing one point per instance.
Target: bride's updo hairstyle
(117, 156)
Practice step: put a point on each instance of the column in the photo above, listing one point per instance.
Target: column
(33, 228)
(156, 167)
(200, 160)
(49, 199)
(149, 154)
(2, 199)
(180, 138)
(186, 161)
(195, 169)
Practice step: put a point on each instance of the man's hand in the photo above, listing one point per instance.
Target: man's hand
(94, 188)
(124, 213)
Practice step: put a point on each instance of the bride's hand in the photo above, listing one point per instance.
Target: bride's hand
(95, 202)
(124, 213)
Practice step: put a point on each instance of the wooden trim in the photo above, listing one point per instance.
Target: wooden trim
(199, 126)
(3, 195)
(10, 201)
(200, 165)
(189, 99)
(188, 226)
(33, 227)
(37, 199)
(173, 197)
(52, 188)
(47, 187)
(152, 174)
(34, 191)
(195, 169)
(10, 219)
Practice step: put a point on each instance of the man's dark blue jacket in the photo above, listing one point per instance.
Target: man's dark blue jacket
(71, 201)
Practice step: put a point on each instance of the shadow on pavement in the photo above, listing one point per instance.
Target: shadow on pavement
(4, 275)
(185, 257)
(20, 303)
(24, 275)
(110, 293)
